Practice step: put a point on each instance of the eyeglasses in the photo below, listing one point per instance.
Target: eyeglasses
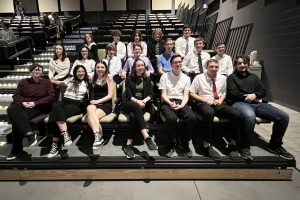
(84, 51)
(239, 63)
(37, 69)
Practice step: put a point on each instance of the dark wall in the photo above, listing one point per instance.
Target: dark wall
(276, 36)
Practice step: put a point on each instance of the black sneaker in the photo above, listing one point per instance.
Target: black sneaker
(233, 153)
(54, 150)
(67, 139)
(246, 154)
(98, 142)
(13, 156)
(186, 150)
(281, 152)
(170, 152)
(31, 138)
(151, 145)
(128, 150)
(210, 152)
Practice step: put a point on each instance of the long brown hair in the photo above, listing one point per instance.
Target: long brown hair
(133, 69)
(95, 77)
(64, 55)
(76, 80)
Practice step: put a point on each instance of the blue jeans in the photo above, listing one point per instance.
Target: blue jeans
(265, 111)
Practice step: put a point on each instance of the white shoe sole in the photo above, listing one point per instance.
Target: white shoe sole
(68, 143)
(98, 145)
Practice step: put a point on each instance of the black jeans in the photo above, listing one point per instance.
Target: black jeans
(208, 112)
(136, 117)
(189, 121)
(61, 111)
(20, 119)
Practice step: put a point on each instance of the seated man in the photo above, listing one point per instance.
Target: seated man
(174, 87)
(225, 61)
(163, 60)
(137, 53)
(119, 46)
(247, 94)
(113, 62)
(209, 91)
(6, 34)
(195, 61)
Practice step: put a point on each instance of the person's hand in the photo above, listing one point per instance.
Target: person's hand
(148, 74)
(250, 97)
(210, 102)
(172, 105)
(218, 101)
(178, 107)
(94, 102)
(140, 103)
(123, 75)
(25, 104)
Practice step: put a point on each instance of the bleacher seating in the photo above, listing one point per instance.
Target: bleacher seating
(127, 22)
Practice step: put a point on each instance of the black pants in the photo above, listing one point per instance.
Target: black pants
(189, 120)
(20, 119)
(61, 111)
(136, 117)
(208, 112)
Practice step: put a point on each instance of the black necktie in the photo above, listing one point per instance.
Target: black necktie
(116, 44)
(200, 63)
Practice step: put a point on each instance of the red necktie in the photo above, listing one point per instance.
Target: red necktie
(215, 89)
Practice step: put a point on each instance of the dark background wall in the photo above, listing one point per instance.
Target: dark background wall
(276, 36)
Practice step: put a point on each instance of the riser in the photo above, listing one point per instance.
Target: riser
(146, 174)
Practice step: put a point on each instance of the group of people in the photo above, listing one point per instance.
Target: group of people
(186, 78)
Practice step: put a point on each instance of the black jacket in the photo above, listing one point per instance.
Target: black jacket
(130, 85)
(238, 85)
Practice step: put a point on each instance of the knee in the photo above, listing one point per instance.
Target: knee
(171, 120)
(284, 117)
(191, 118)
(91, 109)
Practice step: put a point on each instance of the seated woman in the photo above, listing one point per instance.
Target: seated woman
(136, 39)
(59, 67)
(89, 43)
(100, 105)
(84, 58)
(73, 103)
(138, 94)
(32, 97)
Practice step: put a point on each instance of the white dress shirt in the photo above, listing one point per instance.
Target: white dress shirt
(115, 65)
(89, 65)
(121, 50)
(190, 61)
(180, 45)
(203, 86)
(225, 64)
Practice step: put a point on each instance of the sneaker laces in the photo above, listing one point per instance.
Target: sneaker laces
(97, 137)
(54, 148)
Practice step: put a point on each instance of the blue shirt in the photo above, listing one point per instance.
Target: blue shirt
(163, 61)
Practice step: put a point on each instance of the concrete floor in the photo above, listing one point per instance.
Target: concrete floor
(173, 190)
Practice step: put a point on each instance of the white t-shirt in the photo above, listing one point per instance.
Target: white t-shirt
(70, 91)
(175, 85)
